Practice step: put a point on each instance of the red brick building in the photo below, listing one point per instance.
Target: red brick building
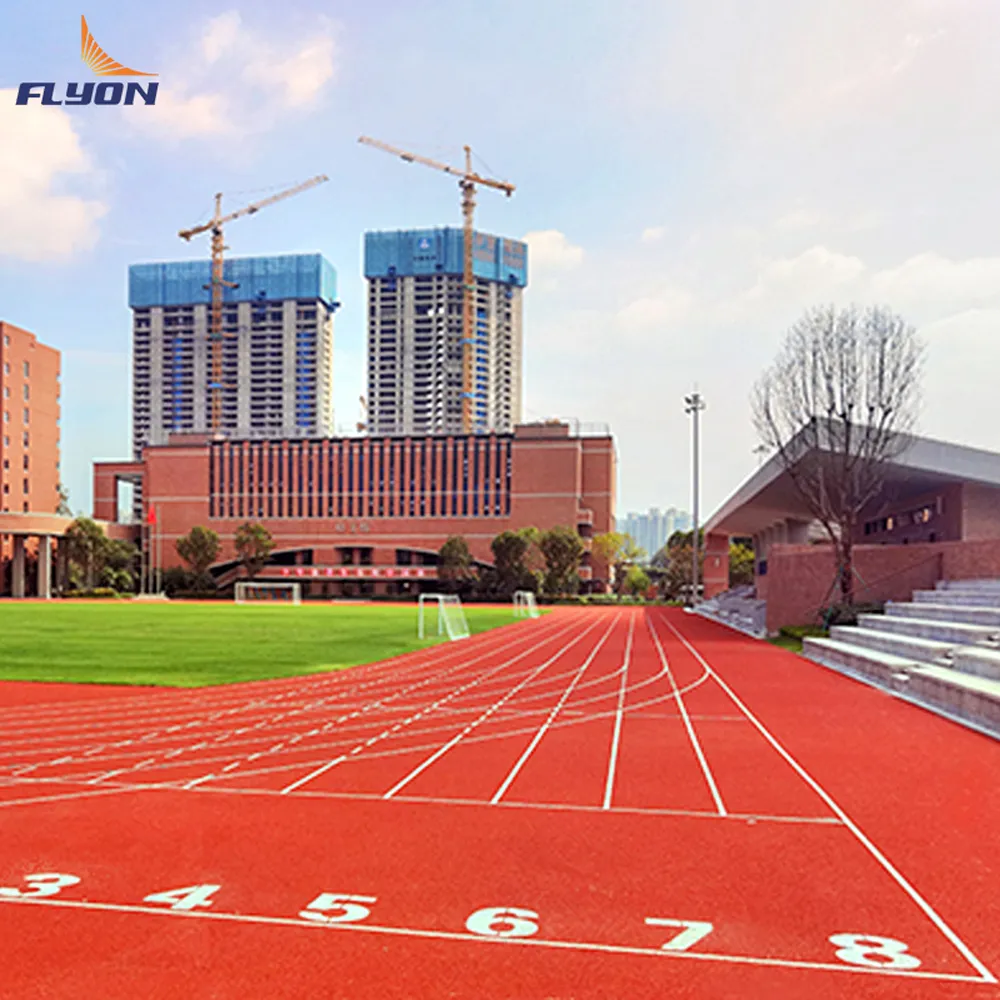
(369, 514)
(29, 400)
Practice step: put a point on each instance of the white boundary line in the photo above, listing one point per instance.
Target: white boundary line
(716, 797)
(613, 949)
(927, 909)
(616, 735)
(522, 760)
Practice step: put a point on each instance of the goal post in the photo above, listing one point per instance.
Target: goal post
(248, 592)
(450, 616)
(525, 605)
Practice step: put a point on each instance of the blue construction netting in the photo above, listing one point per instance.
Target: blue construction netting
(179, 283)
(413, 252)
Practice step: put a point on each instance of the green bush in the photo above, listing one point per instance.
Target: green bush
(847, 614)
(96, 592)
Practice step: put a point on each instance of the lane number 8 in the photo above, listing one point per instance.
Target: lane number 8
(873, 951)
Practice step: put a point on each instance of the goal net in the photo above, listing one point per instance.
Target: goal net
(447, 608)
(267, 593)
(525, 605)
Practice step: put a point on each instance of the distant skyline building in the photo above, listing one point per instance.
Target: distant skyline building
(277, 378)
(415, 377)
(651, 530)
(29, 445)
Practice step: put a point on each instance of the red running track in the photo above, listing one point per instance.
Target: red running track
(600, 803)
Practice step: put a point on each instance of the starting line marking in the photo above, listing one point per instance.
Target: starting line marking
(586, 946)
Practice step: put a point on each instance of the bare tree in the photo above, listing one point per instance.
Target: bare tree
(837, 405)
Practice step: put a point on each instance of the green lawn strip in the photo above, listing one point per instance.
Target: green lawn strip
(791, 636)
(180, 645)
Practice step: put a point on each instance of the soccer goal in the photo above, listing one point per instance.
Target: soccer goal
(267, 593)
(525, 605)
(450, 616)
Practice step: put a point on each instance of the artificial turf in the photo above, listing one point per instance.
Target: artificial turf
(192, 645)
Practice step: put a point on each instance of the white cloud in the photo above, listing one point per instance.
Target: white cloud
(549, 250)
(40, 218)
(934, 285)
(656, 311)
(653, 234)
(236, 81)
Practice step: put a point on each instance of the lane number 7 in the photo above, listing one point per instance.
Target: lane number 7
(692, 932)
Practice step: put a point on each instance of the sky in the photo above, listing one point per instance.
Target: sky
(691, 176)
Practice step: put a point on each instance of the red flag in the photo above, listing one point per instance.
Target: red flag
(151, 516)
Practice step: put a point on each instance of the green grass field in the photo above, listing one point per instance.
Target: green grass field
(191, 645)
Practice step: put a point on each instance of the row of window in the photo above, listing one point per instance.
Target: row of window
(6, 365)
(456, 477)
(909, 518)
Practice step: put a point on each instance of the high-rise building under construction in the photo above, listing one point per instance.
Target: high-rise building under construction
(415, 337)
(277, 348)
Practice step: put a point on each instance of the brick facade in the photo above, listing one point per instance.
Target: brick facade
(373, 503)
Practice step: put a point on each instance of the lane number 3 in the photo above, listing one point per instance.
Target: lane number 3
(45, 884)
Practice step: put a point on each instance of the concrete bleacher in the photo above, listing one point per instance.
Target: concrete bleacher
(739, 609)
(940, 651)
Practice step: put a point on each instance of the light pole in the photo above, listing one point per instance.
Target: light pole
(694, 404)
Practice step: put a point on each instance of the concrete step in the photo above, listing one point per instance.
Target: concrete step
(983, 584)
(977, 660)
(969, 614)
(969, 699)
(907, 646)
(928, 628)
(959, 598)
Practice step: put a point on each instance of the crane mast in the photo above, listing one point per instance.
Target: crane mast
(219, 284)
(468, 179)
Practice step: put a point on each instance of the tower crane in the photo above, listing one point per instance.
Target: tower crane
(468, 179)
(218, 283)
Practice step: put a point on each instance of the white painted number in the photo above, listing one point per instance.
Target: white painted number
(46, 884)
(503, 921)
(873, 951)
(184, 899)
(350, 908)
(693, 932)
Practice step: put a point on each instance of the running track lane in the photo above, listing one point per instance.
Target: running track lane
(592, 876)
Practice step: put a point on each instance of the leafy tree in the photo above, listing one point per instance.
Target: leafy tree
(454, 563)
(510, 569)
(740, 564)
(253, 546)
(636, 580)
(120, 558)
(674, 563)
(88, 549)
(837, 406)
(563, 549)
(199, 548)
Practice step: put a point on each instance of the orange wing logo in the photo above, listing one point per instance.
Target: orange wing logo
(98, 60)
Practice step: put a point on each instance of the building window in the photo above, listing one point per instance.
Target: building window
(25, 439)
(25, 463)
(6, 392)
(26, 415)
(25, 486)
(6, 340)
(6, 416)
(26, 395)
(27, 369)
(6, 368)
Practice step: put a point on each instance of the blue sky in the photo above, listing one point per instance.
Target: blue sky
(689, 178)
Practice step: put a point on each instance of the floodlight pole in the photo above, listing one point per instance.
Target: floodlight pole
(694, 404)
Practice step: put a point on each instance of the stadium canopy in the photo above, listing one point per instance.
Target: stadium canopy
(923, 466)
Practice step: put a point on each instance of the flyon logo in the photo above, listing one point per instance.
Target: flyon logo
(90, 93)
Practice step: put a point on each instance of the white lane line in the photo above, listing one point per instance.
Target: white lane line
(454, 693)
(896, 875)
(692, 736)
(616, 736)
(530, 749)
(441, 751)
(529, 942)
(64, 795)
